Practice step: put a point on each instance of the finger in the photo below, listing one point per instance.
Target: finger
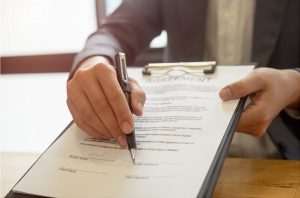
(115, 97)
(255, 118)
(82, 125)
(250, 84)
(122, 141)
(138, 98)
(85, 110)
(102, 107)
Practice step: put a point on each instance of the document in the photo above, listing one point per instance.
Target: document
(183, 124)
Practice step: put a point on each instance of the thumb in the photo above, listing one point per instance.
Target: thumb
(138, 98)
(250, 84)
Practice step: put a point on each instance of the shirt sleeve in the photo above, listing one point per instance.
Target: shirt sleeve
(129, 29)
(294, 113)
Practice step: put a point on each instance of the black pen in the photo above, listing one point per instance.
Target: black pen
(124, 83)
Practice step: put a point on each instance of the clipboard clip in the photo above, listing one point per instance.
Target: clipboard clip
(205, 68)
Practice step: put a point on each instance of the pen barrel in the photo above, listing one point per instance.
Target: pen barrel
(128, 99)
(130, 137)
(131, 140)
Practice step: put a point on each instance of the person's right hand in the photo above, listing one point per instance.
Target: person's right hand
(97, 102)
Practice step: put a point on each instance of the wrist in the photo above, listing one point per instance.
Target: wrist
(294, 77)
(93, 60)
(87, 63)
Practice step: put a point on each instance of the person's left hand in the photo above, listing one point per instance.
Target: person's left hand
(270, 91)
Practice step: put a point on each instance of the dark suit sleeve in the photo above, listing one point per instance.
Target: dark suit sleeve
(129, 29)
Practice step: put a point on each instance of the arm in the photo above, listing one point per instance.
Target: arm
(270, 91)
(95, 99)
(129, 29)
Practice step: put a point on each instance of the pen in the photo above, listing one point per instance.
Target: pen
(124, 83)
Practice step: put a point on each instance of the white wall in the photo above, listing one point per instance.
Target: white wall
(45, 26)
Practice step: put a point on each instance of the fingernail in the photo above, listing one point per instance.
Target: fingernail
(122, 141)
(226, 94)
(126, 128)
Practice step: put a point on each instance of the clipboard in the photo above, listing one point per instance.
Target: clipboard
(211, 178)
(207, 189)
(153, 69)
(202, 68)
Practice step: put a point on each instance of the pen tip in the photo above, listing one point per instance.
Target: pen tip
(132, 153)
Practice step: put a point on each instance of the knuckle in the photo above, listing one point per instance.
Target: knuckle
(259, 76)
(81, 75)
(70, 86)
(71, 93)
(104, 68)
(257, 71)
(239, 89)
(110, 68)
(239, 86)
(99, 67)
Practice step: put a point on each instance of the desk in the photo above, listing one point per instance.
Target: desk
(258, 178)
(239, 177)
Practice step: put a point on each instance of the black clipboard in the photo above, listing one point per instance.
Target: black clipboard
(211, 178)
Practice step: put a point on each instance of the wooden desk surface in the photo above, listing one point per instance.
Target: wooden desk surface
(259, 178)
(239, 177)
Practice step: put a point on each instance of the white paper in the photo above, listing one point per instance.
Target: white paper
(183, 124)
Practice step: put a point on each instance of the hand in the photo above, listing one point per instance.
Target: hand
(270, 91)
(97, 103)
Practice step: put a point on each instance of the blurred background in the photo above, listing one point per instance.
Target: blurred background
(44, 35)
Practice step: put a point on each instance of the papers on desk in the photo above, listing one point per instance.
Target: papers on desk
(179, 139)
